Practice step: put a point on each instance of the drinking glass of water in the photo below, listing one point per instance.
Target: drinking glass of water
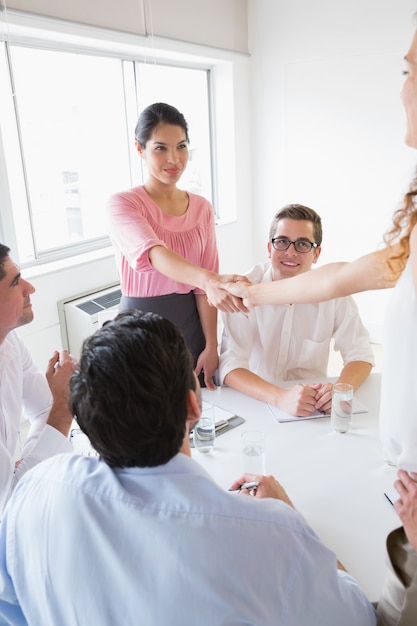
(204, 432)
(342, 398)
(253, 452)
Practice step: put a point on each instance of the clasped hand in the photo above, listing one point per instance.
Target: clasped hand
(236, 287)
(223, 299)
(302, 400)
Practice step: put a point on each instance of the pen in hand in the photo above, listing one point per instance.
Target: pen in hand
(249, 486)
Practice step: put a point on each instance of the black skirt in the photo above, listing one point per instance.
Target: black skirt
(180, 309)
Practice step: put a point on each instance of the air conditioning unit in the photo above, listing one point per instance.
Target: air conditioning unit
(81, 315)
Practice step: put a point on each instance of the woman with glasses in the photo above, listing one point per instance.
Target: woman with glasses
(273, 344)
(165, 242)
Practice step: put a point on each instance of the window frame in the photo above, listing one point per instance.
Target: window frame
(56, 35)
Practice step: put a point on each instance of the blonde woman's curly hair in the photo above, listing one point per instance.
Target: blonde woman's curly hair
(403, 219)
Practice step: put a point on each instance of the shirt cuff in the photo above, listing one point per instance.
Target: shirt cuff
(49, 442)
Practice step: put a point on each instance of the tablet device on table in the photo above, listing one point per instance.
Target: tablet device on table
(224, 421)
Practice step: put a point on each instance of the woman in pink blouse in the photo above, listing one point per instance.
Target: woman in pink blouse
(165, 243)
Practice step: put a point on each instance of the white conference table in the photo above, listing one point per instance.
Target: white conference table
(336, 481)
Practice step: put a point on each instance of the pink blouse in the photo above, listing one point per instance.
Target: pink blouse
(137, 224)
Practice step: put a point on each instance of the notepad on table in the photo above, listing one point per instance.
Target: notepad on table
(282, 416)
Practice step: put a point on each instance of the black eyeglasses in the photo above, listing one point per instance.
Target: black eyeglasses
(301, 245)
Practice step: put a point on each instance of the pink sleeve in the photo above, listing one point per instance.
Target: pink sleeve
(210, 258)
(137, 224)
(130, 231)
(210, 255)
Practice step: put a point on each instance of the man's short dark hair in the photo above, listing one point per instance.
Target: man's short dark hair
(129, 394)
(298, 212)
(4, 253)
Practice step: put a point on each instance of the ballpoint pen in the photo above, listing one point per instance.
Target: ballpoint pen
(249, 486)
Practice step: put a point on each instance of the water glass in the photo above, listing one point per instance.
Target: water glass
(204, 431)
(253, 452)
(342, 398)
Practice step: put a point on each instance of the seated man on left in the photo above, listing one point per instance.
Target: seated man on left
(24, 390)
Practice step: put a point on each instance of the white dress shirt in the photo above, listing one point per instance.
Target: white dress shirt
(280, 342)
(162, 545)
(24, 391)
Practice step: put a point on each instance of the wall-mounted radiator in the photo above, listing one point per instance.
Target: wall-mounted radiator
(81, 315)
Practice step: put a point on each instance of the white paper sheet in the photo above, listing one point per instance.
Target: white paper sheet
(282, 416)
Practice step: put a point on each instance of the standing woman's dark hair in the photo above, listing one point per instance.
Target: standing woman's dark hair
(158, 113)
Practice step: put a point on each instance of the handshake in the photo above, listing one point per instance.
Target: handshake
(229, 293)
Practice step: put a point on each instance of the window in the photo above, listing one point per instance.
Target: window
(71, 118)
(67, 136)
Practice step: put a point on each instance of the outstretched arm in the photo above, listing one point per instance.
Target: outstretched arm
(177, 268)
(324, 283)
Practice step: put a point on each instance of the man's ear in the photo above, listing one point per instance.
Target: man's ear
(193, 408)
(316, 254)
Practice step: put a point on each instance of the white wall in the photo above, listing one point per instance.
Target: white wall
(327, 120)
(185, 20)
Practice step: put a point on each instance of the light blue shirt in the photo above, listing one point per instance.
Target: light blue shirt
(82, 544)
